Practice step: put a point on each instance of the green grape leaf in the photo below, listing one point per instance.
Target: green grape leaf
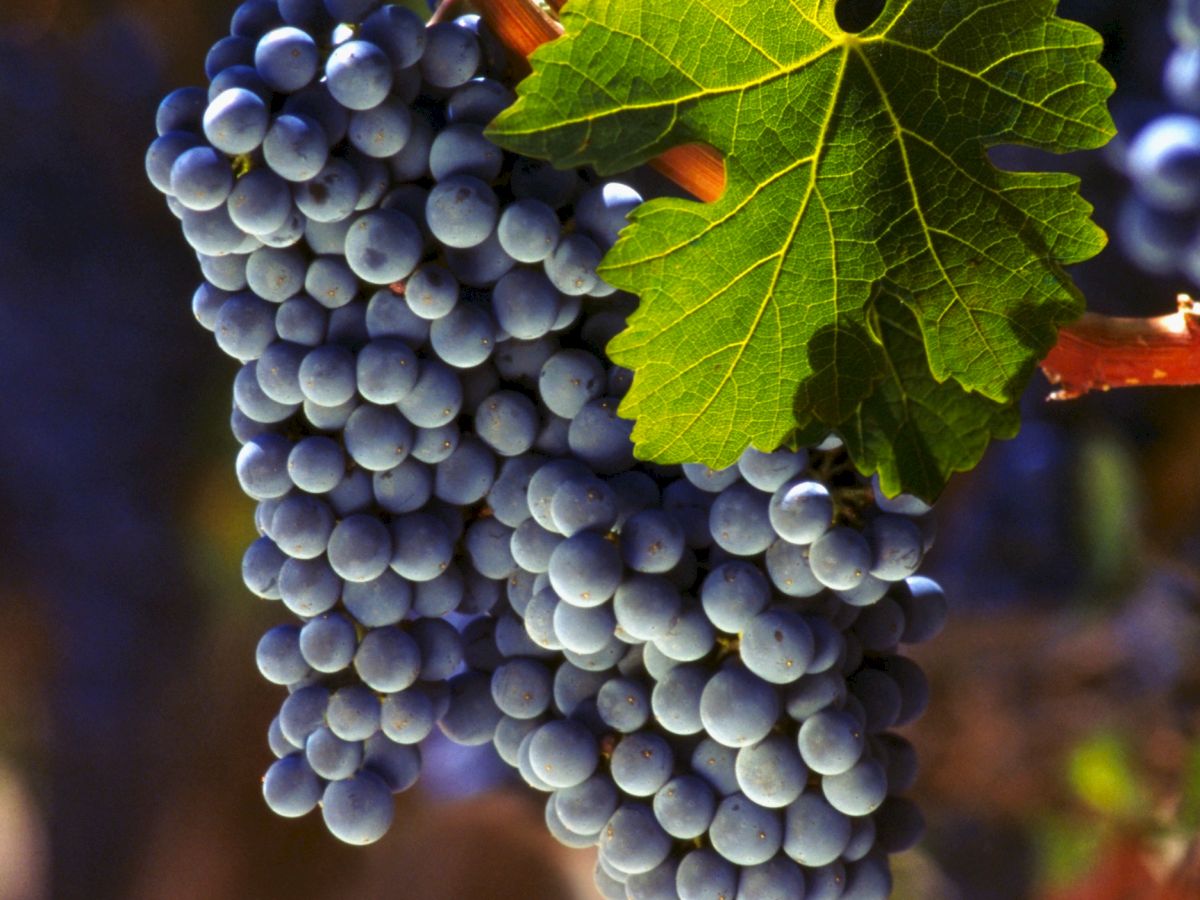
(914, 431)
(852, 161)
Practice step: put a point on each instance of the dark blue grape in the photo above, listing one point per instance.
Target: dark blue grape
(585, 569)
(522, 688)
(423, 546)
(278, 655)
(703, 874)
(253, 18)
(461, 211)
(295, 147)
(328, 643)
(213, 233)
(632, 840)
(360, 548)
(745, 833)
(162, 155)
(713, 481)
(676, 699)
(776, 878)
(302, 525)
(260, 202)
(641, 763)
(451, 57)
(399, 32)
(275, 274)
(286, 58)
(473, 715)
(309, 587)
(462, 149)
(831, 741)
(236, 121)
(771, 773)
(332, 194)
(739, 520)
(384, 601)
(232, 50)
(388, 659)
(330, 756)
(290, 787)
(181, 110)
(227, 273)
(201, 179)
(465, 337)
(571, 267)
(738, 708)
(479, 100)
(353, 713)
(245, 77)
(487, 545)
(815, 834)
(262, 466)
(383, 246)
(466, 475)
(303, 712)
(359, 809)
(586, 807)
(358, 75)
(600, 437)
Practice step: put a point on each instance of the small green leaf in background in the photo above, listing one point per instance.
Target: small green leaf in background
(856, 167)
(1101, 773)
(1068, 848)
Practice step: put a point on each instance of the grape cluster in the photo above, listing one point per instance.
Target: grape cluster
(1159, 224)
(700, 666)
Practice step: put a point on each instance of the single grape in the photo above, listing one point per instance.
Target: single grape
(295, 147)
(831, 741)
(632, 840)
(383, 246)
(452, 55)
(358, 75)
(745, 833)
(461, 211)
(381, 131)
(738, 708)
(815, 834)
(353, 713)
(278, 655)
(236, 121)
(286, 58)
(330, 756)
(703, 874)
(290, 787)
(801, 511)
(201, 179)
(358, 809)
(840, 558)
(771, 773)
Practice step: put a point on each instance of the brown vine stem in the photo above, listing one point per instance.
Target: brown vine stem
(442, 11)
(1096, 352)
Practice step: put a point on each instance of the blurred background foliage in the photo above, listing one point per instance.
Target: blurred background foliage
(1060, 757)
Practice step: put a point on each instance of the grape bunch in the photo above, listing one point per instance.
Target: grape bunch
(700, 667)
(1159, 223)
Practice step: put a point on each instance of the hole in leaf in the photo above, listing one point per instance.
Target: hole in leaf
(857, 15)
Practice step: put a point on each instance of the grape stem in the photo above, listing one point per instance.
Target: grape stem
(442, 12)
(1095, 352)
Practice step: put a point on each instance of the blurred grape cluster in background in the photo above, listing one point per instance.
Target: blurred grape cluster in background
(1060, 757)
